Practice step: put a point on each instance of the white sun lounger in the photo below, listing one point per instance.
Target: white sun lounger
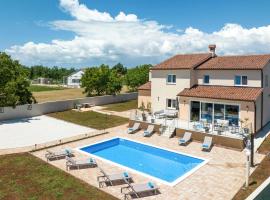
(207, 143)
(185, 139)
(111, 178)
(138, 189)
(89, 162)
(134, 129)
(149, 131)
(55, 155)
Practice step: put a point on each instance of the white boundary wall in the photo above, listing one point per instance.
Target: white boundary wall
(56, 106)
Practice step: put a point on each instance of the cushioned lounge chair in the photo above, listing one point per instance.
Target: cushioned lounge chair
(134, 129)
(55, 155)
(149, 131)
(110, 179)
(207, 143)
(71, 163)
(185, 139)
(138, 189)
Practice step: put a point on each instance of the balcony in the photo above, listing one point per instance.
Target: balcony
(170, 120)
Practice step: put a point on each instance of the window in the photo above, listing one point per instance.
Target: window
(171, 103)
(171, 79)
(266, 81)
(206, 79)
(76, 80)
(240, 80)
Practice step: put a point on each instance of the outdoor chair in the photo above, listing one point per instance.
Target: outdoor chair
(55, 155)
(138, 189)
(134, 129)
(77, 164)
(185, 139)
(207, 143)
(110, 179)
(149, 131)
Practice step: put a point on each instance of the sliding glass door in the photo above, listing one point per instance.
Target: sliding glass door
(232, 114)
(195, 111)
(207, 112)
(211, 112)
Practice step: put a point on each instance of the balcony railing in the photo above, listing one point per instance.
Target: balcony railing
(217, 128)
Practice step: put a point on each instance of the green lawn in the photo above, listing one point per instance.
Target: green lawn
(91, 119)
(41, 88)
(23, 176)
(123, 106)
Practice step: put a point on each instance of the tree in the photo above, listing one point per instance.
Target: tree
(13, 83)
(101, 80)
(114, 84)
(120, 69)
(137, 76)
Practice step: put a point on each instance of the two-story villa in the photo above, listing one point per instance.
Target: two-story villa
(214, 93)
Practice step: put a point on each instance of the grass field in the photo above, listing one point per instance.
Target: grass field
(90, 119)
(59, 95)
(63, 94)
(41, 88)
(123, 106)
(23, 176)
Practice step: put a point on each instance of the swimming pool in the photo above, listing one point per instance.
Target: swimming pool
(166, 166)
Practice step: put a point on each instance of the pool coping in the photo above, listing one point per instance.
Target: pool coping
(175, 182)
(255, 193)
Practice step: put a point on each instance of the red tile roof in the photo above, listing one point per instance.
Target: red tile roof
(146, 86)
(186, 61)
(222, 92)
(236, 62)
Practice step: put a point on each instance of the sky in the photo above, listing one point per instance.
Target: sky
(80, 33)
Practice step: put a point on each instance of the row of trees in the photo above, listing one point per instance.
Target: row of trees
(55, 73)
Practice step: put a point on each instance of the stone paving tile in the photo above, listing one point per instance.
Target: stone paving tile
(219, 179)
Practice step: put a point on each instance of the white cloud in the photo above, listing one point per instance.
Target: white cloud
(125, 38)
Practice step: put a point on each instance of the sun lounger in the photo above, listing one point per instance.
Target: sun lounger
(112, 178)
(55, 155)
(134, 129)
(149, 131)
(89, 162)
(207, 143)
(138, 189)
(185, 139)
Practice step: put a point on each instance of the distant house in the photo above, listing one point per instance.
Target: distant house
(42, 81)
(74, 80)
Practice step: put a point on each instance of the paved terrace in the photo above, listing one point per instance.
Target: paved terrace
(219, 179)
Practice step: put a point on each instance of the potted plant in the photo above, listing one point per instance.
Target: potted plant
(143, 114)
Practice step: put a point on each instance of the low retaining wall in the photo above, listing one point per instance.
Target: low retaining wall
(218, 140)
(25, 111)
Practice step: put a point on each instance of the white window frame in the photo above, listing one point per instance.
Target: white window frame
(204, 79)
(167, 79)
(241, 80)
(171, 107)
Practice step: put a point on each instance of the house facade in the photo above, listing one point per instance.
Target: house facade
(74, 80)
(210, 89)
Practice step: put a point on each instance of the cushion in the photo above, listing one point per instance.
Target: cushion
(151, 185)
(125, 174)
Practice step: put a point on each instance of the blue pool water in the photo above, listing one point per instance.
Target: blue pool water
(159, 163)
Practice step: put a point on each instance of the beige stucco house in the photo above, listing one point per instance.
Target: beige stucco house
(211, 89)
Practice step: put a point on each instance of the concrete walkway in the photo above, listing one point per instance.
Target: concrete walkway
(260, 136)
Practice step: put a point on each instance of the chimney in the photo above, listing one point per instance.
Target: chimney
(212, 49)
